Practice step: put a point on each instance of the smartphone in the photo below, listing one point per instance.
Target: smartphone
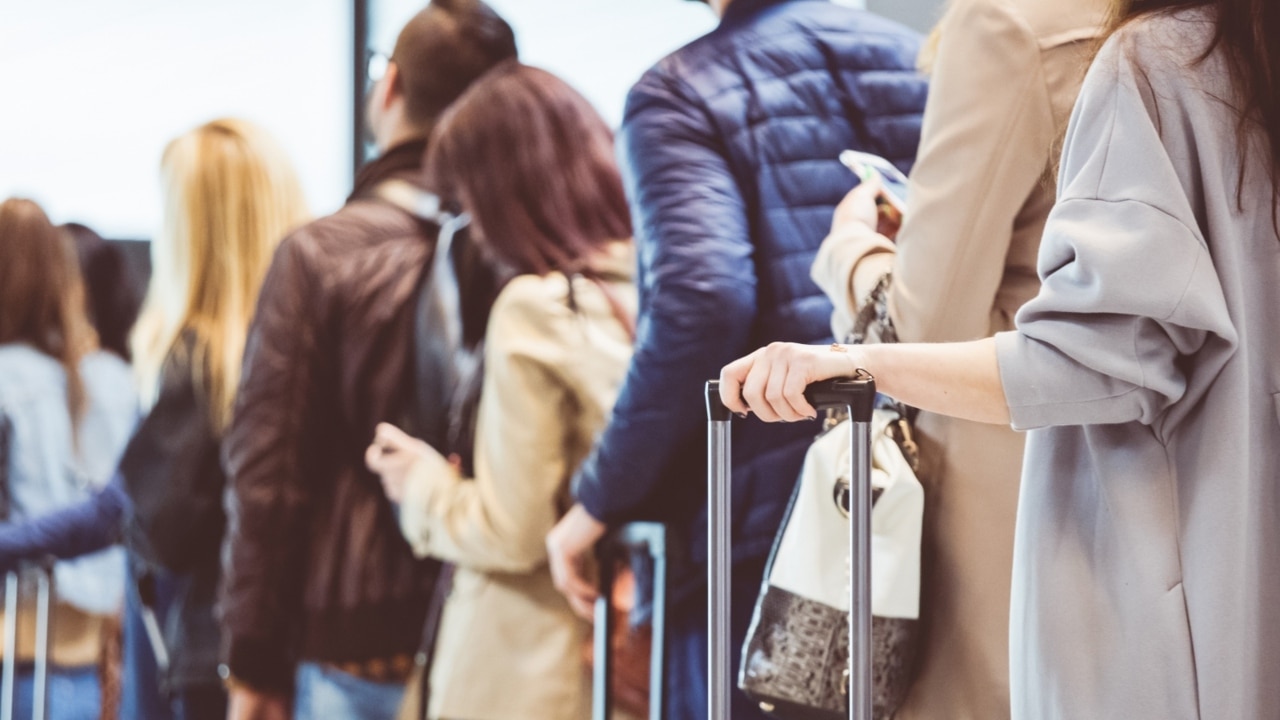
(866, 166)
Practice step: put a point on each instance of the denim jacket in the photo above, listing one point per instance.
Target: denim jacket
(50, 466)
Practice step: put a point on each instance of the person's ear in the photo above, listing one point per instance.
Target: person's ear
(393, 92)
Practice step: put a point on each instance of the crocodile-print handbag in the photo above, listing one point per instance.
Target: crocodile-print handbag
(796, 657)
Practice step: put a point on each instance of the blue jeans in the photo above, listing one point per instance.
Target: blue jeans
(73, 694)
(324, 693)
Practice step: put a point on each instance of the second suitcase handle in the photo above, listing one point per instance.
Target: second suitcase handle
(857, 394)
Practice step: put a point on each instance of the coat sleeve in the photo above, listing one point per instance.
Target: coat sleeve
(80, 529)
(697, 294)
(1129, 288)
(988, 130)
(498, 520)
(268, 502)
(173, 474)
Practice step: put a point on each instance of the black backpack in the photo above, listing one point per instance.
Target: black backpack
(451, 310)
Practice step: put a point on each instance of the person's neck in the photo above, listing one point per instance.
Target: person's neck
(720, 6)
(401, 135)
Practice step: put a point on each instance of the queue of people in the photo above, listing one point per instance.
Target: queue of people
(360, 464)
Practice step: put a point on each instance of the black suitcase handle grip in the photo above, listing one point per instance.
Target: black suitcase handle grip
(857, 393)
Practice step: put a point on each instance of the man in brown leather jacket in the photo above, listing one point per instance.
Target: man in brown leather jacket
(323, 602)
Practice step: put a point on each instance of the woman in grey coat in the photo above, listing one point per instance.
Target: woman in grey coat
(1148, 372)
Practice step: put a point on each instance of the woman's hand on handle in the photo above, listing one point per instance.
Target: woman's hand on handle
(957, 379)
(771, 381)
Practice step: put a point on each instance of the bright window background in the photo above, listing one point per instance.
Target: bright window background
(93, 90)
(601, 47)
(919, 14)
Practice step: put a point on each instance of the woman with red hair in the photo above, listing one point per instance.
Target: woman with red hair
(532, 163)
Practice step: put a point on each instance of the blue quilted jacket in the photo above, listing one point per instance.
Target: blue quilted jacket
(728, 149)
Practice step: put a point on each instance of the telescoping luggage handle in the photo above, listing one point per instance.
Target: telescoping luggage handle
(857, 394)
(40, 681)
(44, 603)
(650, 538)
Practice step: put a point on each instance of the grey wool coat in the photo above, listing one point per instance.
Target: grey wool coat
(1147, 552)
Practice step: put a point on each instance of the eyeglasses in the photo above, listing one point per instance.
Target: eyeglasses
(376, 66)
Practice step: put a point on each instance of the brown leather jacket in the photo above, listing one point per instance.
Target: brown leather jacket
(317, 569)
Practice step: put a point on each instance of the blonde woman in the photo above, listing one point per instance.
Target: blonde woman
(230, 195)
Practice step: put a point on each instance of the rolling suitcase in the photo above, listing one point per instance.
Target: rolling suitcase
(635, 539)
(857, 395)
(44, 604)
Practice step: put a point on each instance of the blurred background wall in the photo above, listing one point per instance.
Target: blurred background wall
(91, 90)
(919, 14)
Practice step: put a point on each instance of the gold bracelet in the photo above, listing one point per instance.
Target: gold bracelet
(837, 347)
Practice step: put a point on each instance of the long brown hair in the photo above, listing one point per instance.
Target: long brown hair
(533, 164)
(42, 294)
(1248, 33)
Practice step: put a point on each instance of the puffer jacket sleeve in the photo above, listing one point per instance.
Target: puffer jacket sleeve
(268, 499)
(697, 293)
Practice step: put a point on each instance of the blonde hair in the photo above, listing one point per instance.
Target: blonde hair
(230, 195)
(929, 50)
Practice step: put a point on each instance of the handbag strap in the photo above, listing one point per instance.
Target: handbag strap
(874, 324)
(431, 634)
(873, 314)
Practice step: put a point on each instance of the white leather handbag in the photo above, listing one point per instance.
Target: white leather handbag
(796, 655)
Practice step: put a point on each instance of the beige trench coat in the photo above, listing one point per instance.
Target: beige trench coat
(1005, 77)
(509, 645)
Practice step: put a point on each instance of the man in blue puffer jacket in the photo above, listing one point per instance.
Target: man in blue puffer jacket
(729, 148)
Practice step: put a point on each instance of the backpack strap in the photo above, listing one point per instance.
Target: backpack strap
(419, 203)
(437, 328)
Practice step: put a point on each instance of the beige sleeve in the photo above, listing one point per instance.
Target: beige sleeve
(987, 137)
(849, 264)
(498, 520)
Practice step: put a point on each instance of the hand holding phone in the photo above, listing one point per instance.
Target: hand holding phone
(893, 183)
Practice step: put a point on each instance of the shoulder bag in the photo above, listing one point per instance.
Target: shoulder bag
(796, 656)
